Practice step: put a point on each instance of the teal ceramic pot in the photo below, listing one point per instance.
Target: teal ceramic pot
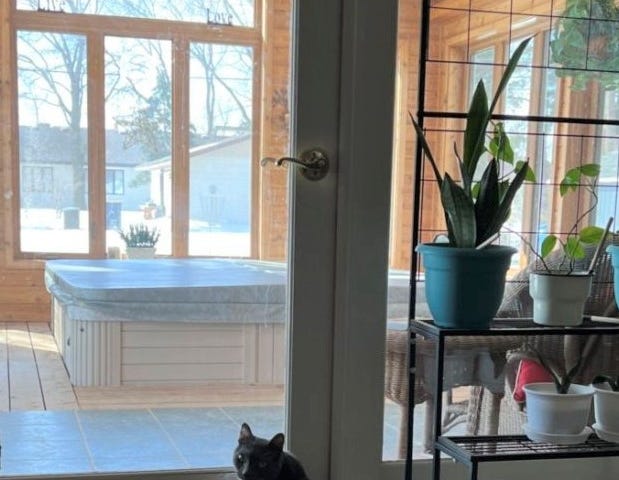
(613, 250)
(464, 286)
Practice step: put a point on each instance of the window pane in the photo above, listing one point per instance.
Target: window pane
(221, 12)
(138, 113)
(52, 142)
(483, 65)
(220, 154)
(518, 102)
(609, 162)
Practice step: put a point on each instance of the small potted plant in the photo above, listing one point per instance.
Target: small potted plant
(559, 289)
(606, 407)
(465, 278)
(558, 411)
(140, 240)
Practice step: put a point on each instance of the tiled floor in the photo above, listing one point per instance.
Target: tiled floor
(83, 441)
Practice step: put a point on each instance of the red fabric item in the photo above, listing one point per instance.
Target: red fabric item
(529, 371)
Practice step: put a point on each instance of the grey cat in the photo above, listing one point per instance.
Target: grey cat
(257, 458)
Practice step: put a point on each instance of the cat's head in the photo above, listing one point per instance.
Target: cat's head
(256, 458)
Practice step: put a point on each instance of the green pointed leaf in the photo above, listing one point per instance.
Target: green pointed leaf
(509, 70)
(591, 234)
(590, 169)
(426, 148)
(475, 190)
(488, 200)
(460, 212)
(574, 249)
(502, 213)
(530, 176)
(474, 134)
(548, 245)
(568, 184)
(500, 147)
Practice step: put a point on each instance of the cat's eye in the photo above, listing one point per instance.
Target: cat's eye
(239, 457)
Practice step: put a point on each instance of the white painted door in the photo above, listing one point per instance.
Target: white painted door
(345, 84)
(344, 60)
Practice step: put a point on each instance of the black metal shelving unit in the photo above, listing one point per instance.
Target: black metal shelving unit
(473, 450)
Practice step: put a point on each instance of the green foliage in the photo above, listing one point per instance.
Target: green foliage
(613, 383)
(475, 211)
(139, 235)
(586, 43)
(562, 381)
(573, 245)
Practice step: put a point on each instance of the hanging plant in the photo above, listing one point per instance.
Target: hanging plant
(586, 43)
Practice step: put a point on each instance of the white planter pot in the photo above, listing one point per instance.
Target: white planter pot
(559, 300)
(140, 252)
(555, 413)
(606, 407)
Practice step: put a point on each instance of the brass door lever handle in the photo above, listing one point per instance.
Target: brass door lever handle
(314, 163)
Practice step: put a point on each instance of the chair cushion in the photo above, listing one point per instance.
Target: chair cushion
(529, 371)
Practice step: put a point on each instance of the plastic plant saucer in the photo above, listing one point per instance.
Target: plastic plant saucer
(605, 434)
(558, 438)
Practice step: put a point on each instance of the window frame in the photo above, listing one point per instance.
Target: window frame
(181, 34)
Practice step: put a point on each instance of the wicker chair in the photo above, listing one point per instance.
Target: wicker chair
(477, 360)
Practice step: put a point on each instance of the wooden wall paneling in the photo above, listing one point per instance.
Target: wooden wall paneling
(404, 138)
(273, 181)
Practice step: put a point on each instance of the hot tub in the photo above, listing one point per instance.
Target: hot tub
(139, 322)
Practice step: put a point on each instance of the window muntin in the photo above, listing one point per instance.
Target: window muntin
(217, 12)
(114, 181)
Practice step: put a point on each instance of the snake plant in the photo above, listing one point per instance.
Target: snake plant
(613, 383)
(476, 211)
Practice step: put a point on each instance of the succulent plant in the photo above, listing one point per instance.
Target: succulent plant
(140, 235)
(476, 210)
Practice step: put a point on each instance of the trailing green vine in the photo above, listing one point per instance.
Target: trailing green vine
(586, 43)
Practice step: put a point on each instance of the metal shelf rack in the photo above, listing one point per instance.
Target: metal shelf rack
(473, 450)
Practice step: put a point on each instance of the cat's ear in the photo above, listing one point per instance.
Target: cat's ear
(277, 441)
(245, 435)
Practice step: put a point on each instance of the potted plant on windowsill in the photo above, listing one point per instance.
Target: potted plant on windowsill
(140, 241)
(465, 279)
(606, 407)
(560, 290)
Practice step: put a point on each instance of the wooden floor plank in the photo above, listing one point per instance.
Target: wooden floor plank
(56, 388)
(25, 390)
